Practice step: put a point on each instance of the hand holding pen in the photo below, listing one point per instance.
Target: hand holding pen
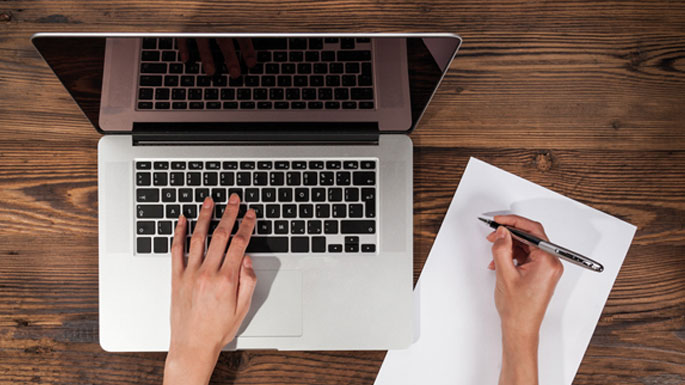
(523, 291)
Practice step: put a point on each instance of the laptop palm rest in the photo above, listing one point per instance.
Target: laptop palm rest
(276, 308)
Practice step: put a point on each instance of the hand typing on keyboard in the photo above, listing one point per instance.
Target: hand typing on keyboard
(522, 293)
(227, 48)
(211, 293)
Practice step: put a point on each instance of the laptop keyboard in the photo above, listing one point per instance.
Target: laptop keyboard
(291, 73)
(312, 206)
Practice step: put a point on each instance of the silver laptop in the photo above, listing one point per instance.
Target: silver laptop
(311, 132)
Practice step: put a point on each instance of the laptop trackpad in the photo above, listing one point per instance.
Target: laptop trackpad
(276, 308)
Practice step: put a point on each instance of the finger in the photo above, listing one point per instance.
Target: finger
(502, 253)
(248, 282)
(197, 241)
(491, 265)
(206, 56)
(522, 223)
(236, 251)
(177, 247)
(222, 233)
(491, 237)
(183, 49)
(247, 52)
(230, 58)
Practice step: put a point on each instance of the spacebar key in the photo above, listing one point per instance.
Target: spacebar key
(268, 245)
(357, 227)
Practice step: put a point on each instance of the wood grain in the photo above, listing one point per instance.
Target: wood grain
(582, 97)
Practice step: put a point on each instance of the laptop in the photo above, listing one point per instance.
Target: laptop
(310, 130)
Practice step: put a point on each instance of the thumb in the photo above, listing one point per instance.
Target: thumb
(503, 252)
(248, 281)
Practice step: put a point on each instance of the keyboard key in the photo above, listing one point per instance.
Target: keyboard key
(299, 165)
(364, 178)
(356, 210)
(299, 244)
(361, 93)
(264, 227)
(281, 227)
(162, 105)
(301, 195)
(178, 165)
(330, 227)
(351, 247)
(319, 244)
(347, 43)
(164, 227)
(326, 178)
(318, 194)
(350, 165)
(149, 43)
(161, 245)
(273, 211)
(173, 211)
(230, 165)
(143, 165)
(332, 105)
(145, 93)
(243, 179)
(339, 211)
(306, 211)
(142, 179)
(276, 178)
(267, 245)
(237, 191)
(354, 56)
(153, 68)
(357, 227)
(185, 195)
(314, 227)
(176, 178)
(144, 105)
(150, 211)
(260, 178)
(190, 211)
(342, 178)
(297, 227)
(335, 248)
(259, 210)
(365, 105)
(335, 194)
(285, 194)
(193, 178)
(268, 195)
(351, 194)
(219, 194)
(247, 165)
(147, 195)
(149, 56)
(323, 210)
(168, 195)
(160, 179)
(201, 194)
(251, 195)
(150, 81)
(144, 245)
(293, 178)
(210, 178)
(289, 211)
(145, 227)
(368, 248)
(368, 164)
(226, 178)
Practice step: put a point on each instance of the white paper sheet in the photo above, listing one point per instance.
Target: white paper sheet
(460, 337)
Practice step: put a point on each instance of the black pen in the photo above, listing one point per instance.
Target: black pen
(549, 247)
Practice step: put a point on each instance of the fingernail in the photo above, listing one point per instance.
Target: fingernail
(501, 232)
(181, 218)
(235, 72)
(207, 202)
(250, 214)
(247, 261)
(233, 199)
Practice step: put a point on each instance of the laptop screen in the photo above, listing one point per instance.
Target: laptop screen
(343, 81)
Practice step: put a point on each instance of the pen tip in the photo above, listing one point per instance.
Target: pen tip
(483, 219)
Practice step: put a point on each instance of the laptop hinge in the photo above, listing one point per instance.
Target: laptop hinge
(213, 133)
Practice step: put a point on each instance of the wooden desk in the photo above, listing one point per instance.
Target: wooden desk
(587, 99)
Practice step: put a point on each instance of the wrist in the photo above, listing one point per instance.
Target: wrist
(519, 357)
(186, 364)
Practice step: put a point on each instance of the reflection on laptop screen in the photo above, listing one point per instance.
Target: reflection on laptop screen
(122, 82)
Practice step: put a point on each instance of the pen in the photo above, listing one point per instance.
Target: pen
(549, 247)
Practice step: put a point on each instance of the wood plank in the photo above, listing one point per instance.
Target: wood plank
(581, 97)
